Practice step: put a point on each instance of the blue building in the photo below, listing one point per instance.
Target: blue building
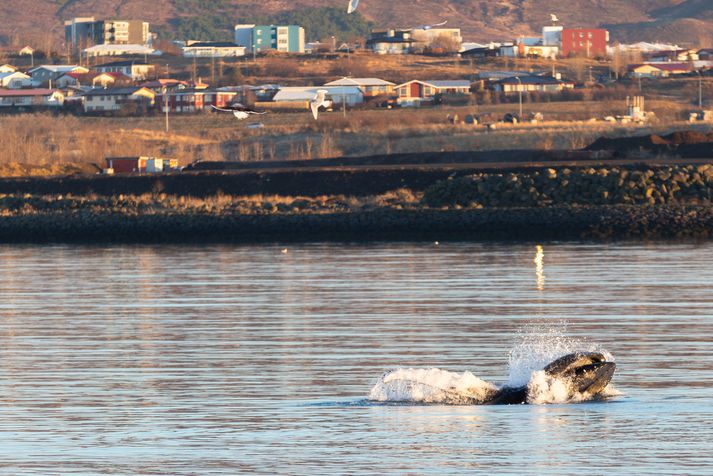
(286, 39)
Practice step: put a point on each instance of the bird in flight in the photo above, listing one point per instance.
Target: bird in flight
(428, 27)
(353, 4)
(239, 111)
(319, 100)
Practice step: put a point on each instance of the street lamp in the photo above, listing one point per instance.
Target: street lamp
(520, 91)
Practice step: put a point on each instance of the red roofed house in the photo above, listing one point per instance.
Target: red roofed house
(659, 70)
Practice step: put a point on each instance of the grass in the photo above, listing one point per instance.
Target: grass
(49, 145)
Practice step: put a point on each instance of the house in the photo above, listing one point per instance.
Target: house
(119, 50)
(50, 72)
(416, 92)
(103, 80)
(158, 85)
(212, 49)
(192, 100)
(446, 40)
(349, 95)
(658, 70)
(31, 98)
(142, 164)
(27, 51)
(391, 42)
(703, 54)
(112, 100)
(7, 68)
(136, 70)
(370, 87)
(15, 80)
(587, 42)
(282, 38)
(530, 83)
(87, 31)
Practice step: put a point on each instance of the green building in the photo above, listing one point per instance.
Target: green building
(286, 39)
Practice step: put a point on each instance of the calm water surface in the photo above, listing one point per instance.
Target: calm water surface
(231, 360)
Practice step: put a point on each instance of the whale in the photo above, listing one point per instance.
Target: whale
(585, 373)
(579, 376)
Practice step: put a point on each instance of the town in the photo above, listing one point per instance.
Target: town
(119, 68)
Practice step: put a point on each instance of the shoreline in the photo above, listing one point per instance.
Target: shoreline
(493, 224)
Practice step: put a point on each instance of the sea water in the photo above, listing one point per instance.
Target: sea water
(207, 360)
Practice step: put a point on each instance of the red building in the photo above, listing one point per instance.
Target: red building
(195, 100)
(587, 42)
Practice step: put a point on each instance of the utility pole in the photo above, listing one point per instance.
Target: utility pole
(165, 105)
(520, 91)
(700, 90)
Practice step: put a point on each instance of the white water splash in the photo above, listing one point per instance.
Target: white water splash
(537, 346)
(431, 386)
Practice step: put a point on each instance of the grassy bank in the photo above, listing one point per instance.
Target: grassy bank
(43, 145)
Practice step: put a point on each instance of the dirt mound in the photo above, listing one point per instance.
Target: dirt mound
(651, 141)
(688, 137)
(683, 143)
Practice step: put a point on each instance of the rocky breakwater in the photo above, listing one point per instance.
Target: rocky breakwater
(527, 204)
(667, 201)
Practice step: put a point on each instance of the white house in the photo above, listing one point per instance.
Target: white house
(119, 50)
(368, 86)
(7, 68)
(351, 95)
(15, 80)
(212, 49)
(50, 72)
(136, 70)
(31, 98)
(114, 99)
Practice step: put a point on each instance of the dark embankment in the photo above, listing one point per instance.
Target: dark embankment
(385, 224)
(532, 204)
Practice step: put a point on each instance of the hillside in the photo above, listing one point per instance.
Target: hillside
(691, 21)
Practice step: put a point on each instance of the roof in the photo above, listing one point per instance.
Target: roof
(8, 66)
(27, 92)
(449, 84)
(458, 83)
(360, 82)
(58, 68)
(305, 93)
(530, 80)
(128, 49)
(663, 66)
(14, 73)
(123, 63)
(115, 91)
(213, 44)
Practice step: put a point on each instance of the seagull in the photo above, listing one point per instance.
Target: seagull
(352, 6)
(554, 18)
(428, 27)
(319, 100)
(238, 110)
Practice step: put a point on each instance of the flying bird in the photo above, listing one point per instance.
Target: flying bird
(238, 110)
(428, 27)
(319, 100)
(554, 18)
(353, 4)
